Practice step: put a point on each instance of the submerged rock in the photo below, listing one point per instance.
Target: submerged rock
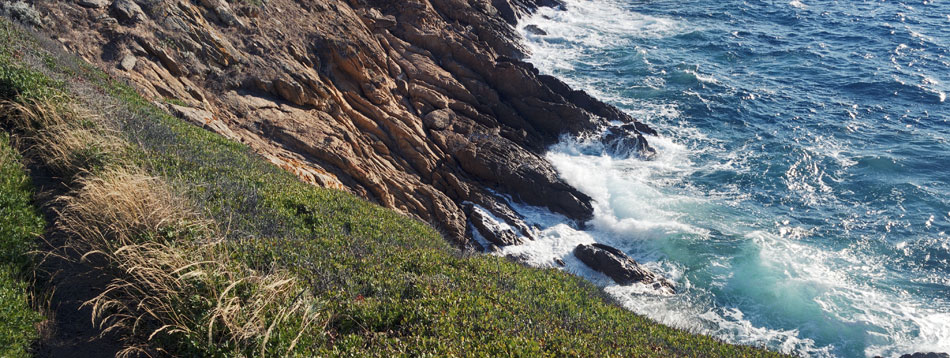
(627, 141)
(618, 266)
(534, 29)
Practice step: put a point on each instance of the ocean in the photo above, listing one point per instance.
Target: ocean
(800, 195)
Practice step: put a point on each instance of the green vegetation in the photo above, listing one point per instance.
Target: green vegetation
(231, 256)
(20, 225)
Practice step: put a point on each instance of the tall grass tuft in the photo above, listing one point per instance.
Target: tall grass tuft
(172, 281)
(64, 138)
(174, 287)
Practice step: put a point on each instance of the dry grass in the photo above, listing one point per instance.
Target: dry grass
(173, 281)
(65, 139)
(121, 207)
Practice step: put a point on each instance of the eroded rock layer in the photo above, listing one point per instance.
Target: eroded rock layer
(419, 105)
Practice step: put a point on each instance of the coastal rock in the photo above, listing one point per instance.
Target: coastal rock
(923, 355)
(419, 105)
(128, 11)
(926, 355)
(627, 141)
(534, 29)
(618, 266)
(492, 230)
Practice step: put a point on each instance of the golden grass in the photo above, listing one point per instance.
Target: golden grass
(65, 139)
(172, 279)
(165, 260)
(120, 207)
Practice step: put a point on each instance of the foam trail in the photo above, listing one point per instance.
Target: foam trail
(633, 214)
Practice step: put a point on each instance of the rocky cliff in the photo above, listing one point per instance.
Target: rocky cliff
(424, 106)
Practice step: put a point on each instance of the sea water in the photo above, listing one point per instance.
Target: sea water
(800, 196)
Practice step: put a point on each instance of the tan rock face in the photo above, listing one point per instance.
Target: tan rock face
(419, 105)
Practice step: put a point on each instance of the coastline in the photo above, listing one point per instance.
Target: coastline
(429, 109)
(420, 108)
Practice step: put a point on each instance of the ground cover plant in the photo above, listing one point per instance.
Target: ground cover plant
(20, 225)
(215, 252)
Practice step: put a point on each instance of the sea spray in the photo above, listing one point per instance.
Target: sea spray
(798, 196)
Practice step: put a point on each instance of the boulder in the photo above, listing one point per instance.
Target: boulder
(128, 62)
(128, 11)
(618, 266)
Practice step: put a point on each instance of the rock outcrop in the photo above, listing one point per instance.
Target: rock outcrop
(620, 267)
(419, 105)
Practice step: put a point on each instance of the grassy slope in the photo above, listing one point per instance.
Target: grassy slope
(20, 225)
(388, 285)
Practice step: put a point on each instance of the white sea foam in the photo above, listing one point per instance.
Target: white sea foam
(638, 216)
(742, 278)
(570, 33)
(787, 277)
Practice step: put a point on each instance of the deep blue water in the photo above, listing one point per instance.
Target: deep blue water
(801, 193)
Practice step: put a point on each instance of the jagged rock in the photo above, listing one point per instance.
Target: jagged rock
(418, 105)
(618, 266)
(224, 12)
(534, 29)
(627, 141)
(291, 91)
(128, 62)
(128, 11)
(94, 4)
(170, 63)
(495, 232)
(519, 258)
(376, 19)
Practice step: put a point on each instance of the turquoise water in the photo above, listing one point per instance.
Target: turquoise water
(800, 197)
